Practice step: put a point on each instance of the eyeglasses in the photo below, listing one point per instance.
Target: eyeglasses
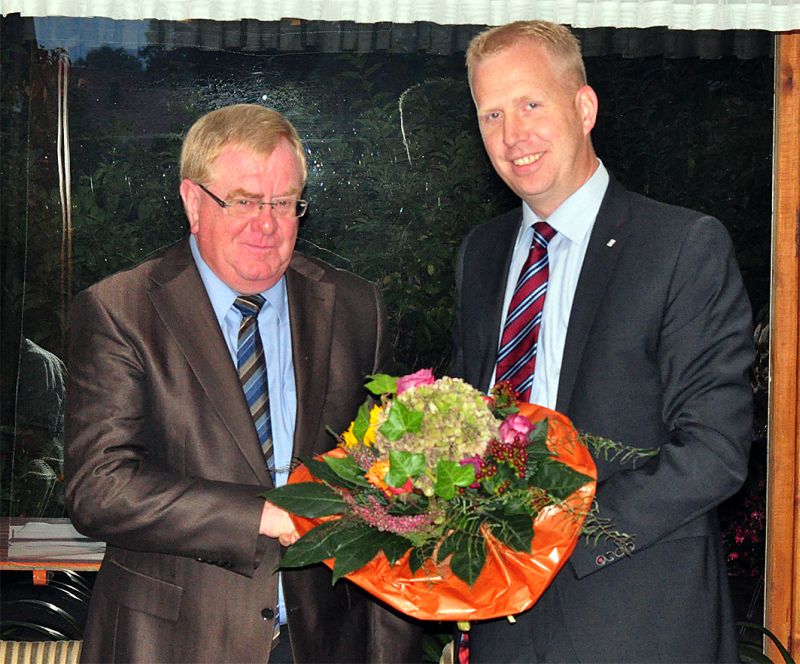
(241, 208)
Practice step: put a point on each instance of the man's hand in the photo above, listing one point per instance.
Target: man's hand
(277, 523)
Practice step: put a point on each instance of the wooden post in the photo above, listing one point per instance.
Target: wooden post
(782, 592)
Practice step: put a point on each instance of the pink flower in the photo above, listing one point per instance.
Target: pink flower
(514, 430)
(421, 377)
(477, 463)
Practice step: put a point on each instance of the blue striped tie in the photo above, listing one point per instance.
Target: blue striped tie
(253, 371)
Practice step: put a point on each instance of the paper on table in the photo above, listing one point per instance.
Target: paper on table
(42, 541)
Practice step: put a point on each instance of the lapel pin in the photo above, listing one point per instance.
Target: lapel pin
(611, 242)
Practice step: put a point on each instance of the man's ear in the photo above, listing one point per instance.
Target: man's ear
(586, 103)
(190, 195)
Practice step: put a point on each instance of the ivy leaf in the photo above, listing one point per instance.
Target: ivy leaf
(468, 557)
(382, 384)
(560, 479)
(403, 465)
(451, 474)
(315, 546)
(309, 499)
(361, 423)
(347, 469)
(401, 420)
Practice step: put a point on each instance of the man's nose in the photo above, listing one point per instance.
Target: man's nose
(265, 221)
(514, 130)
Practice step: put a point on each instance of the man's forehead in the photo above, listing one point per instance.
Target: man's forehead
(281, 158)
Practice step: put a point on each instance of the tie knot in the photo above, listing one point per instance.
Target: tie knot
(543, 233)
(249, 305)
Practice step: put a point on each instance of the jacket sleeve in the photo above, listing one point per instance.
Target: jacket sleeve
(703, 356)
(119, 489)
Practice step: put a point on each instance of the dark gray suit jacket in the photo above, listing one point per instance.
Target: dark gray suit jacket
(657, 354)
(163, 463)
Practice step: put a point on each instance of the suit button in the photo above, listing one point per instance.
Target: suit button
(267, 614)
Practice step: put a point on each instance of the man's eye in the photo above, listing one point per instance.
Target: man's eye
(281, 203)
(243, 203)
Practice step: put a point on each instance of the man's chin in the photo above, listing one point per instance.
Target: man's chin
(257, 281)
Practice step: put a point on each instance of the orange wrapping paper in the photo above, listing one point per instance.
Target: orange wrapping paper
(510, 582)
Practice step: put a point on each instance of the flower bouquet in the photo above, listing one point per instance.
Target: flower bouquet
(444, 503)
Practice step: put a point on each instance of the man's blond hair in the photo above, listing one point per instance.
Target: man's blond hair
(557, 39)
(249, 126)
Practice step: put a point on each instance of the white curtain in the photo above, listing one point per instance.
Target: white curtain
(772, 15)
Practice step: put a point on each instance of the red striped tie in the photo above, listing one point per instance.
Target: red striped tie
(516, 359)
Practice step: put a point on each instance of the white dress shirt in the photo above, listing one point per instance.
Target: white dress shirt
(574, 220)
(276, 337)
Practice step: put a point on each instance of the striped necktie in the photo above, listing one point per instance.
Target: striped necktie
(516, 359)
(253, 370)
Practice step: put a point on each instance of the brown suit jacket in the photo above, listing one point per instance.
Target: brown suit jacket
(163, 463)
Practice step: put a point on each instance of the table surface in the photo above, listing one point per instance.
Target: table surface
(53, 545)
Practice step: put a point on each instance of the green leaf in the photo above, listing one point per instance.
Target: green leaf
(356, 545)
(538, 435)
(322, 471)
(401, 420)
(787, 657)
(347, 469)
(451, 474)
(315, 546)
(309, 499)
(361, 423)
(752, 652)
(416, 560)
(559, 479)
(403, 465)
(382, 384)
(394, 546)
(449, 544)
(515, 531)
(468, 557)
(537, 449)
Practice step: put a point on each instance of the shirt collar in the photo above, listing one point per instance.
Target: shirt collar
(574, 218)
(222, 296)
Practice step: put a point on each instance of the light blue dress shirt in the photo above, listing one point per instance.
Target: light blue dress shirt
(574, 220)
(276, 337)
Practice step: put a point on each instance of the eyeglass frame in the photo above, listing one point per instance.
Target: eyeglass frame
(300, 203)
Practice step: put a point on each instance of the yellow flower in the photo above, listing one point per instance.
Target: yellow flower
(349, 438)
(369, 436)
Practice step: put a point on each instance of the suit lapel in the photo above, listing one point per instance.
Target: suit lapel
(493, 283)
(179, 297)
(610, 227)
(311, 304)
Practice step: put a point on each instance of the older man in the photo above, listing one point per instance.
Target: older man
(194, 379)
(629, 316)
